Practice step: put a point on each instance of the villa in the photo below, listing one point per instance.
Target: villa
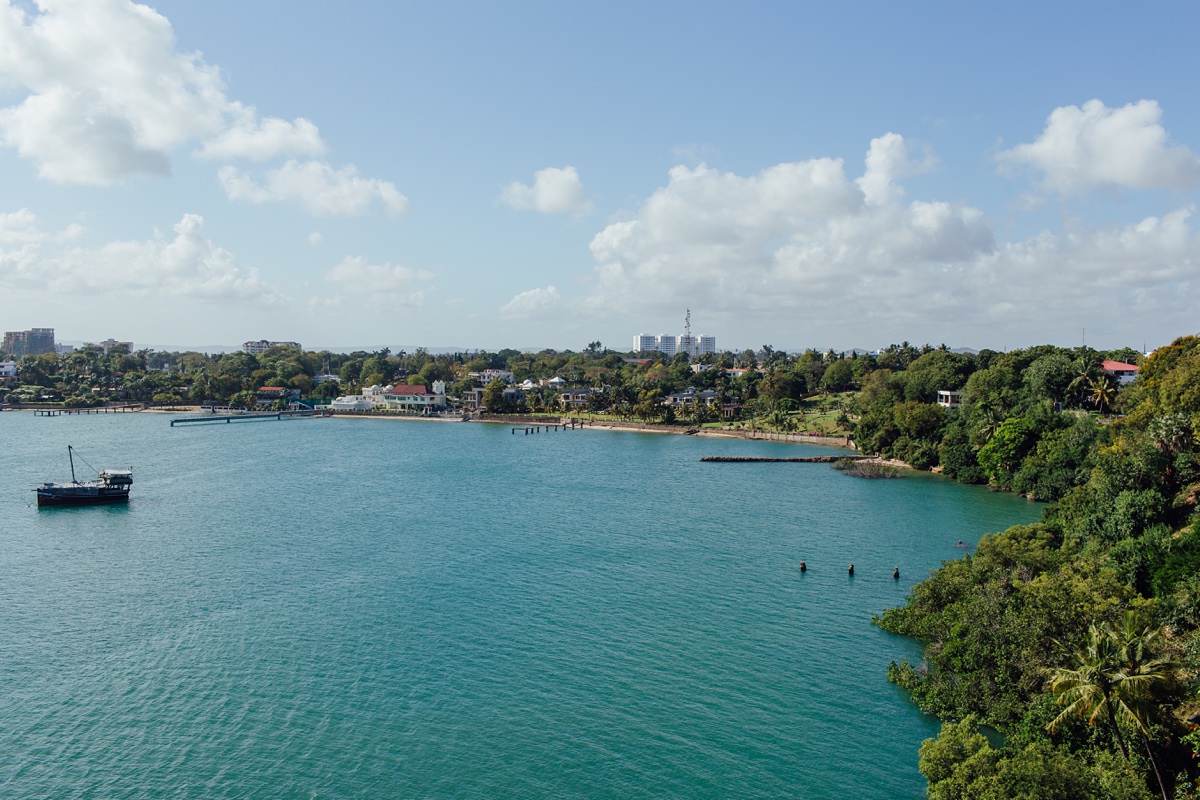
(404, 397)
(1124, 373)
(949, 399)
(352, 402)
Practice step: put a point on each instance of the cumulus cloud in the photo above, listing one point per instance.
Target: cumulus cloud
(107, 96)
(801, 247)
(554, 191)
(20, 227)
(1100, 147)
(533, 304)
(319, 188)
(386, 285)
(258, 140)
(187, 265)
(777, 237)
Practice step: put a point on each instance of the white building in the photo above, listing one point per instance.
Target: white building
(8, 369)
(403, 397)
(262, 346)
(669, 344)
(352, 402)
(488, 375)
(947, 398)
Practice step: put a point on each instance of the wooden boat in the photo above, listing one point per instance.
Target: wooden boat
(110, 486)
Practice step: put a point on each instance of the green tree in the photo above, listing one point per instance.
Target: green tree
(493, 396)
(839, 376)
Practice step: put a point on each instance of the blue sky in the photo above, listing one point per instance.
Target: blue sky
(487, 175)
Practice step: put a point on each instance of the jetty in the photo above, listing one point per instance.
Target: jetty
(800, 460)
(551, 426)
(227, 418)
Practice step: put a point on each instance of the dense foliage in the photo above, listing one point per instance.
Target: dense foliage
(1077, 637)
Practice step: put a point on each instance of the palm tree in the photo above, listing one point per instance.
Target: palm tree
(1102, 392)
(1116, 675)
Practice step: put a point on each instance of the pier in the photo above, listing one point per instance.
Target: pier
(801, 460)
(549, 426)
(127, 409)
(227, 418)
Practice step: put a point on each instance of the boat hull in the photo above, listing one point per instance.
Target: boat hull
(81, 496)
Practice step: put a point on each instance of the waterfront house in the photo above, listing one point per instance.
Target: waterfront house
(405, 397)
(574, 398)
(949, 399)
(8, 369)
(690, 398)
(352, 402)
(1124, 373)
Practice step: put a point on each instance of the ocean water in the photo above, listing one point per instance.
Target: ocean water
(371, 608)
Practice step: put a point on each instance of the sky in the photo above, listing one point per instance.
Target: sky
(529, 175)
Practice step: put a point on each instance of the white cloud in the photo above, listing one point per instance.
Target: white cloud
(20, 227)
(315, 239)
(259, 140)
(533, 304)
(805, 249)
(801, 248)
(320, 189)
(1100, 147)
(386, 285)
(554, 191)
(887, 161)
(108, 96)
(184, 266)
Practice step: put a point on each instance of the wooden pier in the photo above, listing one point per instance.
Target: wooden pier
(549, 426)
(210, 419)
(127, 409)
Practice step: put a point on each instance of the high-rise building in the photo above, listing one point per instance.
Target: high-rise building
(644, 342)
(670, 344)
(29, 343)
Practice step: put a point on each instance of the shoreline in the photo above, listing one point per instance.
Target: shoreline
(840, 442)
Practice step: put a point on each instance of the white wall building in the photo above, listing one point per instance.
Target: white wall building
(670, 345)
(8, 369)
(644, 342)
(262, 346)
(352, 402)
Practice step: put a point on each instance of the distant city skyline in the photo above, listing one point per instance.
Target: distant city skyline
(534, 176)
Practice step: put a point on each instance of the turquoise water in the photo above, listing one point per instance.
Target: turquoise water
(370, 608)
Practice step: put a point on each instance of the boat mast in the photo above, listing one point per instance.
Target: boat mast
(71, 456)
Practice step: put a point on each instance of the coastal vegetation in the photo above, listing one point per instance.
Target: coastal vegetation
(1078, 637)
(1075, 639)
